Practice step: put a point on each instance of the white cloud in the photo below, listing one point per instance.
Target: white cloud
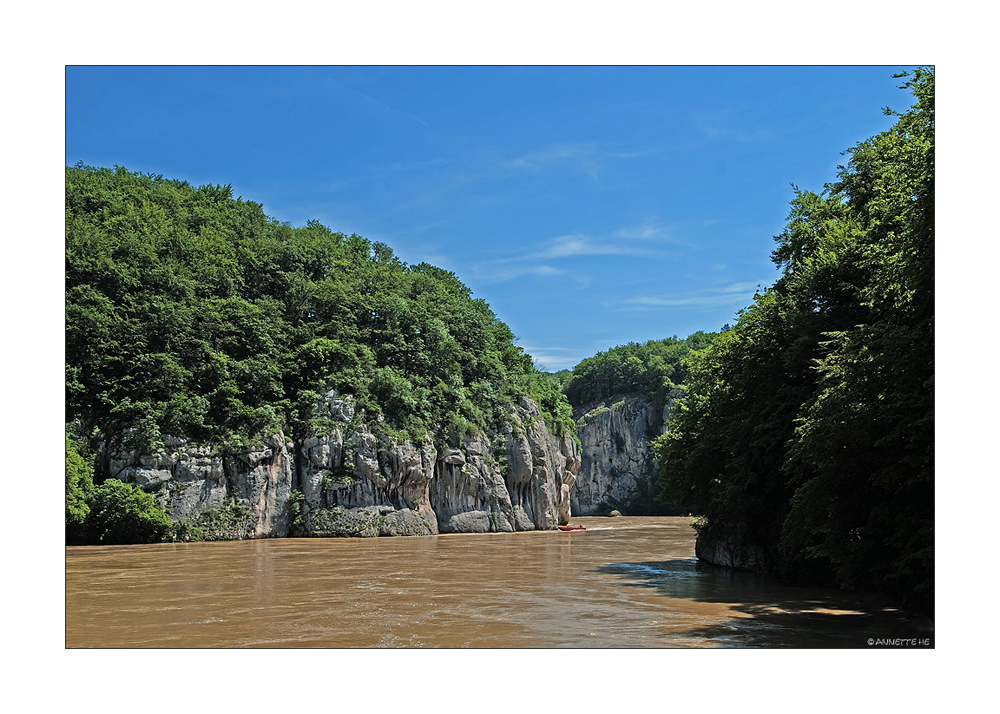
(631, 241)
(582, 156)
(567, 246)
(650, 231)
(501, 271)
(553, 359)
(647, 231)
(620, 241)
(703, 300)
(713, 297)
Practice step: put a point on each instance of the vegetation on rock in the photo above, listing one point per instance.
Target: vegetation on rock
(649, 375)
(652, 369)
(192, 313)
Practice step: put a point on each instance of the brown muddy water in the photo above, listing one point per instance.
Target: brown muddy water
(622, 583)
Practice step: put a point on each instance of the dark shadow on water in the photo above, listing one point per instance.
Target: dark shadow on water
(780, 615)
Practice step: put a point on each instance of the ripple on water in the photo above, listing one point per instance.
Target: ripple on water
(623, 582)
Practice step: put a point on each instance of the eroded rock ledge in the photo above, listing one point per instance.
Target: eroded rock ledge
(348, 482)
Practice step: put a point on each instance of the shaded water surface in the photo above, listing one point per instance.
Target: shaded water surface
(623, 582)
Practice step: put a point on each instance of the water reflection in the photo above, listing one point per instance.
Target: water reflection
(768, 614)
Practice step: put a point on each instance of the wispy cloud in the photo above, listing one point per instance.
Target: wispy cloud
(731, 294)
(629, 241)
(553, 359)
(568, 246)
(587, 156)
(372, 99)
(649, 231)
(582, 156)
(499, 272)
(637, 240)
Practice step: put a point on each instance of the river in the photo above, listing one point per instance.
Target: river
(625, 582)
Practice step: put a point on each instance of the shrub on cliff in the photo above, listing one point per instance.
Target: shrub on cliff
(123, 513)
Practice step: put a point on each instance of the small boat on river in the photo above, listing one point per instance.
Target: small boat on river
(571, 528)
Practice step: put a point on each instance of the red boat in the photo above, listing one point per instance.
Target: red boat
(571, 528)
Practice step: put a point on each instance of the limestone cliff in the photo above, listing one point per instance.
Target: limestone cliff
(349, 482)
(617, 462)
(229, 496)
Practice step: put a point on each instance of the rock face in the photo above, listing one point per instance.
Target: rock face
(520, 480)
(618, 467)
(234, 496)
(351, 483)
(729, 546)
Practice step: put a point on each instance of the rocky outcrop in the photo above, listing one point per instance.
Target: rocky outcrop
(350, 482)
(618, 466)
(519, 480)
(354, 484)
(730, 546)
(242, 494)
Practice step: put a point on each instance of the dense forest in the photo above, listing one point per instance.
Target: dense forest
(651, 369)
(808, 428)
(192, 313)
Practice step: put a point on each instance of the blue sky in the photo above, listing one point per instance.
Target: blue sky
(589, 206)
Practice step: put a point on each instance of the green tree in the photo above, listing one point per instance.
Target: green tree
(79, 489)
(723, 451)
(863, 457)
(122, 513)
(808, 426)
(653, 368)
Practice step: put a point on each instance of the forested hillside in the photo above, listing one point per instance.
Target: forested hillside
(192, 313)
(808, 430)
(652, 369)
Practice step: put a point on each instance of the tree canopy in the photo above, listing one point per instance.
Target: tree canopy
(652, 368)
(810, 425)
(192, 313)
